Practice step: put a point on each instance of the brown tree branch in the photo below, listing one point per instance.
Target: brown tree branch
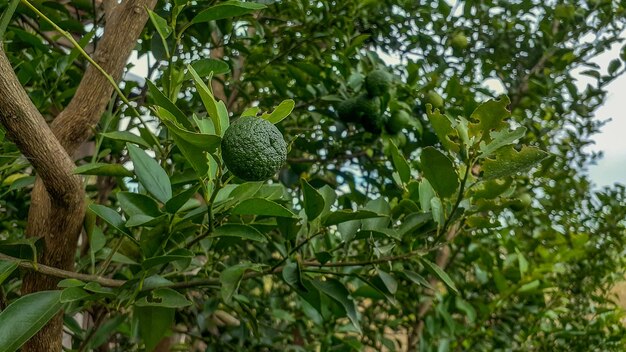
(64, 195)
(62, 225)
(28, 129)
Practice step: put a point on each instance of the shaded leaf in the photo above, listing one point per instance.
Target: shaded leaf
(161, 100)
(163, 297)
(338, 292)
(231, 277)
(240, 231)
(400, 163)
(138, 204)
(150, 174)
(489, 116)
(6, 269)
(227, 9)
(313, 200)
(281, 112)
(25, 317)
(103, 169)
(153, 323)
(437, 271)
(508, 161)
(439, 171)
(126, 136)
(110, 216)
(262, 207)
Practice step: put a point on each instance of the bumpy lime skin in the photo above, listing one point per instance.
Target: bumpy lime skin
(369, 114)
(253, 149)
(378, 82)
(346, 110)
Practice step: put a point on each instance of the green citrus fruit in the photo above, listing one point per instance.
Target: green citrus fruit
(378, 82)
(369, 114)
(459, 41)
(253, 149)
(398, 120)
(434, 99)
(347, 110)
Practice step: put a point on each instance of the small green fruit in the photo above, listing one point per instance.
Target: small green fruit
(369, 114)
(378, 82)
(253, 149)
(398, 120)
(434, 99)
(459, 41)
(347, 110)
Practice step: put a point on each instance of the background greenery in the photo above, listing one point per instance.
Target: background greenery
(453, 241)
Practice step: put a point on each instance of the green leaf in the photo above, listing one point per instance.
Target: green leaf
(467, 308)
(179, 254)
(522, 262)
(338, 292)
(400, 163)
(103, 333)
(138, 204)
(110, 216)
(490, 116)
(390, 283)
(5, 19)
(444, 129)
(150, 174)
(210, 104)
(340, 216)
(437, 271)
(227, 9)
(72, 294)
(6, 269)
(436, 208)
(161, 100)
(162, 28)
(439, 171)
(313, 200)
(251, 111)
(508, 161)
(126, 136)
(281, 112)
(412, 222)
(192, 145)
(22, 182)
(145, 220)
(500, 139)
(418, 279)
(163, 297)
(103, 169)
(154, 323)
(25, 317)
(240, 231)
(173, 205)
(262, 207)
(530, 287)
(206, 67)
(426, 193)
(379, 206)
(231, 277)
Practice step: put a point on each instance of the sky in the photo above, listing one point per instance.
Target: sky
(611, 139)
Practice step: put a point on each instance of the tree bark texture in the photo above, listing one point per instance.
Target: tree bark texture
(58, 200)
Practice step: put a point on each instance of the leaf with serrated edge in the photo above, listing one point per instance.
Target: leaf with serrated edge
(508, 161)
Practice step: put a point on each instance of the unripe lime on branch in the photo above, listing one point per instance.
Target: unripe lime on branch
(253, 149)
(378, 82)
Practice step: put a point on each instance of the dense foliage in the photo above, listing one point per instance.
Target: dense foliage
(468, 225)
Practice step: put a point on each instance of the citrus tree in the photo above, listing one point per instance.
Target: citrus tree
(319, 175)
